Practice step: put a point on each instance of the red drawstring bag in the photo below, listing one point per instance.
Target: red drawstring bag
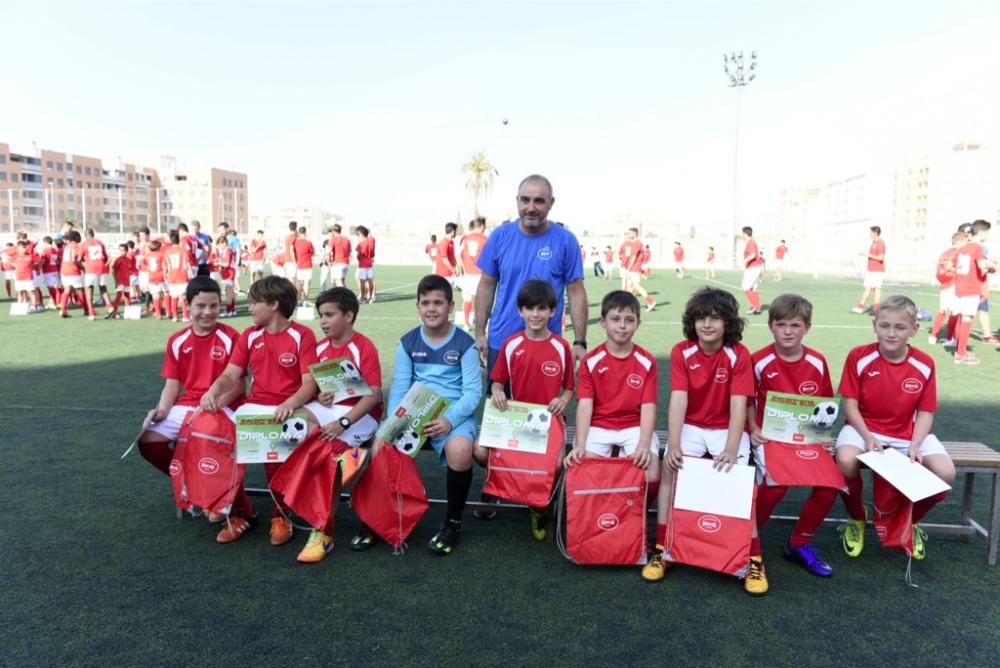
(893, 517)
(605, 512)
(526, 477)
(204, 471)
(801, 466)
(305, 479)
(390, 496)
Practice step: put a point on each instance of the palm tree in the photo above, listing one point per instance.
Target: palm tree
(479, 174)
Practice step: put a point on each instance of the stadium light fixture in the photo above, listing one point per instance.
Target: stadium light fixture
(739, 77)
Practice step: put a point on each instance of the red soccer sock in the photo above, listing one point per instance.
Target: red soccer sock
(118, 300)
(749, 295)
(923, 506)
(768, 497)
(755, 546)
(755, 297)
(8, 288)
(875, 308)
(854, 498)
(89, 303)
(64, 302)
(661, 534)
(962, 332)
(952, 325)
(814, 511)
(184, 310)
(128, 301)
(171, 306)
(467, 312)
(938, 322)
(157, 453)
(652, 491)
(156, 307)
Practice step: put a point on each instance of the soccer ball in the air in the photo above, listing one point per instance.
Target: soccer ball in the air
(350, 371)
(408, 442)
(824, 414)
(294, 430)
(537, 421)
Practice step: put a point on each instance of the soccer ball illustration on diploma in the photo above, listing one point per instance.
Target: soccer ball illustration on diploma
(408, 441)
(351, 372)
(824, 414)
(537, 421)
(294, 430)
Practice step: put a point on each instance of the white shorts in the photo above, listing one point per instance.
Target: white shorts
(24, 286)
(9, 275)
(144, 281)
(157, 287)
(304, 274)
(72, 281)
(966, 306)
(468, 284)
(170, 426)
(36, 281)
(227, 283)
(751, 277)
(100, 280)
(121, 288)
(779, 264)
(339, 270)
(600, 441)
(366, 273)
(177, 289)
(291, 271)
(698, 442)
(633, 277)
(256, 266)
(873, 279)
(946, 299)
(51, 280)
(133, 281)
(215, 276)
(357, 434)
(849, 437)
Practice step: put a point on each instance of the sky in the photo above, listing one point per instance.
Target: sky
(368, 109)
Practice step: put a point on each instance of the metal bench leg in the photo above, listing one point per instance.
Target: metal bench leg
(994, 520)
(967, 494)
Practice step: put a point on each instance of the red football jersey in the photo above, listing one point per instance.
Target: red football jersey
(155, 266)
(445, 255)
(6, 256)
(24, 266)
(363, 353)
(809, 375)
(122, 269)
(51, 260)
(278, 361)
(304, 251)
(538, 371)
(431, 250)
(945, 270)
(711, 257)
(630, 253)
(190, 244)
(647, 255)
(95, 257)
(779, 252)
(175, 260)
(71, 255)
(226, 264)
(678, 254)
(472, 245)
(366, 253)
(877, 248)
(751, 254)
(710, 381)
(619, 387)
(290, 245)
(133, 259)
(609, 257)
(969, 278)
(340, 246)
(889, 394)
(258, 249)
(196, 361)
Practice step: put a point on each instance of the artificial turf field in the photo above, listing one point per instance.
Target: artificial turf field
(97, 570)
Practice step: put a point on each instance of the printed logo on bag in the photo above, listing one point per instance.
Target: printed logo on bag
(607, 521)
(881, 531)
(721, 375)
(634, 380)
(809, 387)
(550, 368)
(545, 253)
(709, 523)
(217, 353)
(808, 455)
(452, 357)
(175, 467)
(912, 385)
(287, 359)
(400, 411)
(208, 466)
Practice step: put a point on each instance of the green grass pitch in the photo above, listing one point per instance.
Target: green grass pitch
(96, 569)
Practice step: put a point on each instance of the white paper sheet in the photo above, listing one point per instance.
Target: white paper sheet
(910, 478)
(703, 489)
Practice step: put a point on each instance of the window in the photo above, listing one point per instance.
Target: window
(59, 182)
(79, 169)
(59, 166)
(62, 213)
(13, 177)
(48, 164)
(3, 159)
(3, 176)
(69, 167)
(62, 198)
(86, 170)
(130, 176)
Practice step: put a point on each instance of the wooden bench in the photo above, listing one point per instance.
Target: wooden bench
(969, 459)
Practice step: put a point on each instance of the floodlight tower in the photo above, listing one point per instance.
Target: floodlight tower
(738, 77)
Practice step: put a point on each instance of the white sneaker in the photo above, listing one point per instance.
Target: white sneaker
(950, 343)
(932, 340)
(650, 306)
(857, 309)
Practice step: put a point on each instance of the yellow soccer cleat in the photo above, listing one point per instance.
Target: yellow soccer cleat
(755, 583)
(854, 537)
(317, 547)
(656, 569)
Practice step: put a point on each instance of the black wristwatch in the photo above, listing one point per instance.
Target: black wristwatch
(581, 342)
(344, 422)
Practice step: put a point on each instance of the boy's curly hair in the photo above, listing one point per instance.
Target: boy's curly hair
(707, 302)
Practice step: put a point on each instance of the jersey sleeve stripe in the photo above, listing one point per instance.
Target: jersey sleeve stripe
(595, 360)
(731, 354)
(322, 346)
(817, 364)
(865, 361)
(642, 359)
(355, 353)
(921, 367)
(758, 368)
(227, 341)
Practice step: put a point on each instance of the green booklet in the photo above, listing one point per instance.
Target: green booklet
(523, 427)
(798, 418)
(260, 439)
(341, 377)
(404, 428)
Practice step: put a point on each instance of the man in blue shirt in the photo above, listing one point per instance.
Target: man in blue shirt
(204, 245)
(530, 247)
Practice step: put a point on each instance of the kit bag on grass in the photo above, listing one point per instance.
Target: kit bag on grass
(791, 465)
(893, 516)
(390, 496)
(203, 470)
(526, 477)
(305, 479)
(605, 512)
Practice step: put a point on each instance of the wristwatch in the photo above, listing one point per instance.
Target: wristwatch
(581, 342)
(344, 422)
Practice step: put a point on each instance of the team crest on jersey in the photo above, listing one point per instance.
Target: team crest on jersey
(208, 466)
(545, 253)
(912, 385)
(809, 387)
(217, 353)
(287, 359)
(175, 467)
(550, 368)
(634, 381)
(452, 357)
(721, 375)
(709, 523)
(607, 521)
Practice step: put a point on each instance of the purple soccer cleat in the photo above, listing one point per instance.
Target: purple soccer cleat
(808, 557)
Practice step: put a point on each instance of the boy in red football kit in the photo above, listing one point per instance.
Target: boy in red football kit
(95, 266)
(157, 277)
(194, 359)
(177, 263)
(304, 252)
(122, 269)
(710, 263)
(26, 264)
(779, 260)
(679, 260)
(616, 393)
(753, 264)
(278, 352)
(340, 256)
(874, 271)
(971, 270)
(71, 272)
(352, 421)
(469, 248)
(51, 258)
(537, 365)
(365, 251)
(224, 270)
(631, 257)
(711, 377)
(445, 264)
(788, 366)
(945, 274)
(890, 395)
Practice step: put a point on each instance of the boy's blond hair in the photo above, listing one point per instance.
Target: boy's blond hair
(899, 304)
(789, 306)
